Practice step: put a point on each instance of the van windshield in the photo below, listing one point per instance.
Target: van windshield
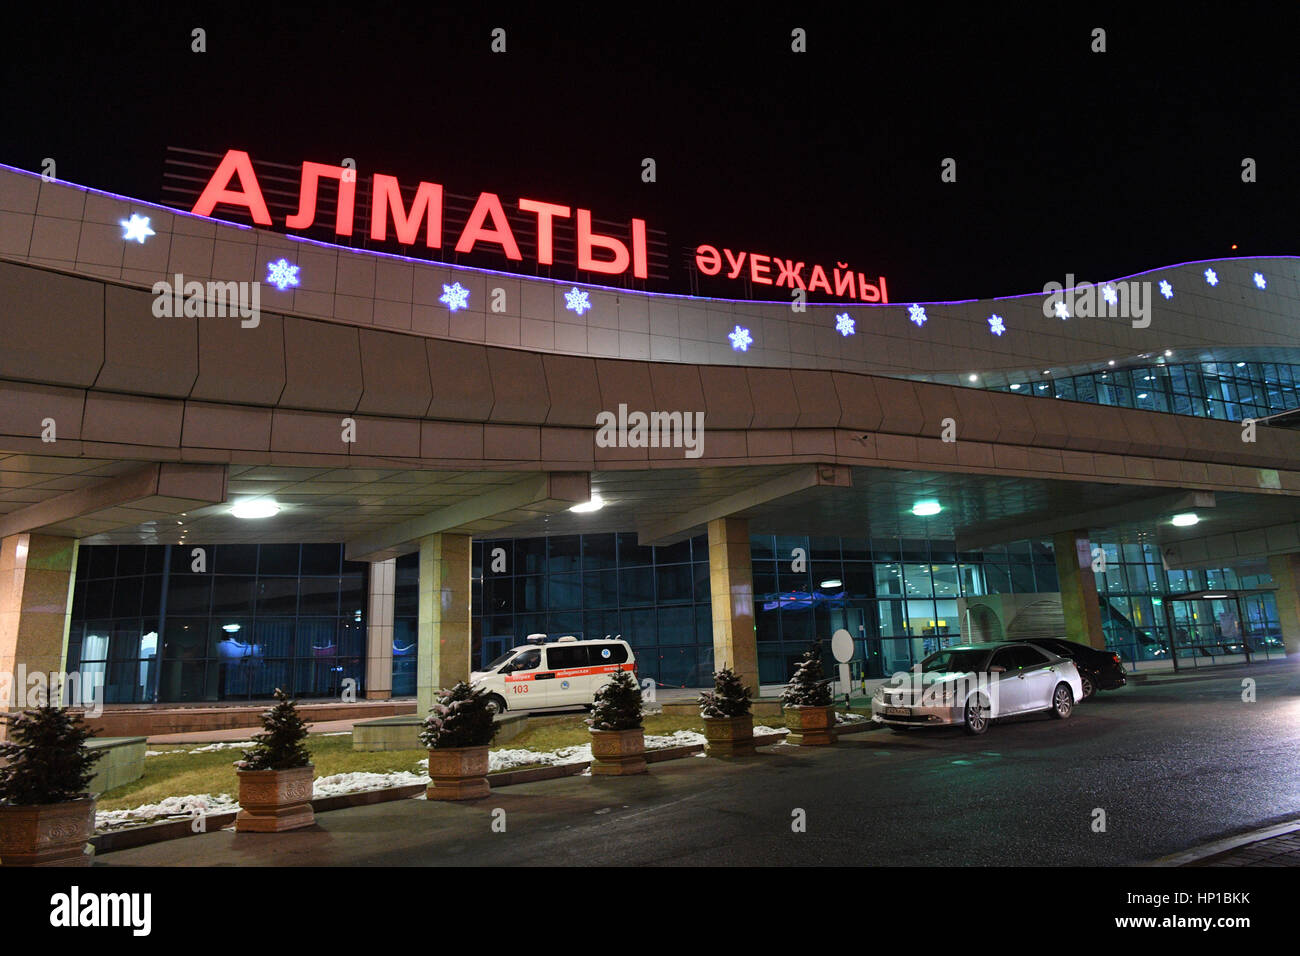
(501, 660)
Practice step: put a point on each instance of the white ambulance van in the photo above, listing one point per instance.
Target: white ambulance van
(563, 673)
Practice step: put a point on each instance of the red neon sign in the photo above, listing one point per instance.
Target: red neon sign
(487, 224)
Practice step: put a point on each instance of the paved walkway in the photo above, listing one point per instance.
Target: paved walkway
(1276, 851)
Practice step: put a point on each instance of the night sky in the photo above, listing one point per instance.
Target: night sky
(1100, 165)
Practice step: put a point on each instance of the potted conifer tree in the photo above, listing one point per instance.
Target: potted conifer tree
(276, 775)
(728, 723)
(458, 730)
(47, 815)
(807, 706)
(617, 738)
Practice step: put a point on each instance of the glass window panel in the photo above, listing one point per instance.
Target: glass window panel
(318, 596)
(636, 586)
(233, 559)
(677, 625)
(599, 551)
(321, 558)
(564, 553)
(673, 553)
(675, 584)
(186, 594)
(564, 592)
(600, 589)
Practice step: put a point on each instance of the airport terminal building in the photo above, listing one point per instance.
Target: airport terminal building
(374, 470)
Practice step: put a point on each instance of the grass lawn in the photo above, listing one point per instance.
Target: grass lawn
(178, 773)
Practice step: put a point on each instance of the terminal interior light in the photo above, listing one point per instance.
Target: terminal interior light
(924, 509)
(1186, 519)
(256, 508)
(832, 583)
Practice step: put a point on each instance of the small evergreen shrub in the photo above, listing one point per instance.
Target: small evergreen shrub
(280, 745)
(809, 686)
(617, 704)
(47, 758)
(729, 697)
(460, 718)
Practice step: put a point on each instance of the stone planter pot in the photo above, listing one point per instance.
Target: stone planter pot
(271, 801)
(810, 726)
(51, 834)
(458, 773)
(729, 736)
(617, 753)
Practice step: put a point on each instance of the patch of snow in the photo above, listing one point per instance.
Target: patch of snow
(178, 808)
(761, 729)
(339, 783)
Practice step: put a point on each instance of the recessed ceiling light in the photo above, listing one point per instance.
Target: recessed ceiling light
(1186, 519)
(595, 504)
(832, 583)
(923, 509)
(256, 508)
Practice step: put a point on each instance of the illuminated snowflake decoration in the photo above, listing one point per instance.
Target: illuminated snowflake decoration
(844, 324)
(1062, 311)
(916, 313)
(576, 300)
(137, 228)
(1210, 277)
(1166, 289)
(740, 339)
(1108, 293)
(996, 325)
(454, 296)
(281, 274)
(1260, 281)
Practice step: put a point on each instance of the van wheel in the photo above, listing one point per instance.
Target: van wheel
(496, 705)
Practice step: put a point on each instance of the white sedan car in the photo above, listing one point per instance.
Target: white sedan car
(972, 684)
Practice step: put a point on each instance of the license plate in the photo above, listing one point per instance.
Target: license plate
(899, 711)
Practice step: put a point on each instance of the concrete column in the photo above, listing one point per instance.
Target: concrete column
(1079, 599)
(1285, 569)
(36, 577)
(731, 584)
(444, 616)
(379, 629)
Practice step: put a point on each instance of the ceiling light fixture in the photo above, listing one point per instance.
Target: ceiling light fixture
(595, 504)
(255, 508)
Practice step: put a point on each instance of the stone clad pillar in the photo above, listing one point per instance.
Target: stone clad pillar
(1285, 569)
(731, 586)
(379, 629)
(1079, 599)
(36, 577)
(444, 616)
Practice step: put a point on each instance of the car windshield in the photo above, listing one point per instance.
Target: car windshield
(501, 660)
(954, 661)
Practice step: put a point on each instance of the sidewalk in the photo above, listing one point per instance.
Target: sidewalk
(1283, 850)
(1277, 845)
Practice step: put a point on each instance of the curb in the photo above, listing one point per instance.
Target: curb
(1220, 672)
(1208, 850)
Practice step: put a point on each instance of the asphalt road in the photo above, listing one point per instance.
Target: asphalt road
(1172, 766)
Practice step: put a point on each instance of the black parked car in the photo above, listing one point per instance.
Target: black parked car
(1099, 670)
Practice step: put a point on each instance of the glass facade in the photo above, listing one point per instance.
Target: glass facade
(262, 617)
(250, 618)
(1225, 390)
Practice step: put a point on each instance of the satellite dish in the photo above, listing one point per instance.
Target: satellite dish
(842, 646)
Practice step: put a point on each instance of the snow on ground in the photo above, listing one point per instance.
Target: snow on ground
(339, 783)
(850, 718)
(760, 730)
(171, 808)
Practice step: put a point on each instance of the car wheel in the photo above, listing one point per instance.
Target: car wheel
(495, 705)
(977, 715)
(1062, 701)
(1089, 688)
